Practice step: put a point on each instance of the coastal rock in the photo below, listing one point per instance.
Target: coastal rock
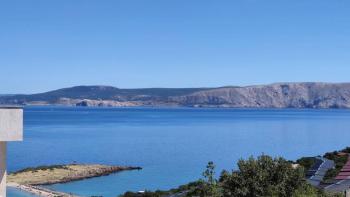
(105, 103)
(47, 175)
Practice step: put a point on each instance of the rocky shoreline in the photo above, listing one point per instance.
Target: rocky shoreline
(39, 191)
(31, 179)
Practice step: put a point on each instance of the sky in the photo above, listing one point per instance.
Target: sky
(46, 45)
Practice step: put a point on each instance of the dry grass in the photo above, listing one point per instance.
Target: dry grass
(61, 174)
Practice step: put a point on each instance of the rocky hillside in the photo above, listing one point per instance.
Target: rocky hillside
(280, 95)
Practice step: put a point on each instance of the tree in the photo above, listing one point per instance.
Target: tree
(207, 187)
(209, 174)
(263, 176)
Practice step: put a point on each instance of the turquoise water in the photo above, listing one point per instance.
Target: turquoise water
(172, 145)
(11, 192)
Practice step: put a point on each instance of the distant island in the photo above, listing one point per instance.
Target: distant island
(278, 95)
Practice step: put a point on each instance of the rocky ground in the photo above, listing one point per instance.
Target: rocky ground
(62, 174)
(30, 179)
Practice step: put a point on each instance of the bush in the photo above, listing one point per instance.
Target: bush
(263, 176)
(306, 162)
(43, 168)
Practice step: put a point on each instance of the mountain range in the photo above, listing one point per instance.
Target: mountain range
(278, 95)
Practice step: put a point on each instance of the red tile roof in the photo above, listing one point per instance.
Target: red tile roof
(344, 172)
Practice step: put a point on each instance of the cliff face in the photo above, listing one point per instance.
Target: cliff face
(281, 95)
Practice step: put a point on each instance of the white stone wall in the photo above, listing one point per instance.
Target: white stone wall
(11, 124)
(11, 129)
(3, 169)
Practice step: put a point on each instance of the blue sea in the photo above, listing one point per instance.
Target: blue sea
(173, 145)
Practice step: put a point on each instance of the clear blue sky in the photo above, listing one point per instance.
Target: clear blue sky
(46, 45)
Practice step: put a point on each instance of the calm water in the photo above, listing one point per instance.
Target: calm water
(11, 192)
(172, 145)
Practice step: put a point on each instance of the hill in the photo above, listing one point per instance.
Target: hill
(279, 95)
(99, 95)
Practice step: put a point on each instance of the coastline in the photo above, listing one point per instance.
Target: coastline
(31, 180)
(47, 175)
(176, 106)
(39, 191)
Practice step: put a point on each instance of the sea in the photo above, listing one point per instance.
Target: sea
(172, 145)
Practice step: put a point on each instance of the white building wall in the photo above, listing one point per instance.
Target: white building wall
(3, 169)
(11, 129)
(11, 124)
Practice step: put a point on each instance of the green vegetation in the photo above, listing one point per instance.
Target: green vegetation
(306, 162)
(209, 186)
(101, 92)
(256, 177)
(181, 191)
(35, 169)
(340, 158)
(265, 176)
